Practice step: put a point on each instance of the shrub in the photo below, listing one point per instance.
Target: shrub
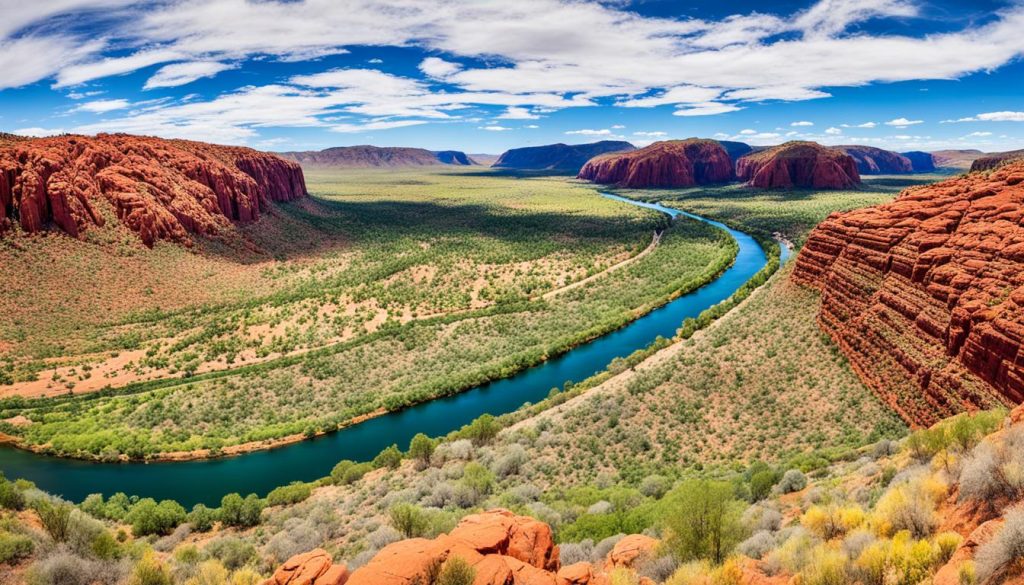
(460, 450)
(55, 517)
(233, 552)
(761, 484)
(946, 544)
(355, 472)
(104, 546)
(793, 480)
(511, 462)
(390, 458)
(576, 552)
(202, 518)
(1007, 546)
(411, 521)
(655, 486)
(909, 506)
(456, 571)
(235, 511)
(292, 493)
(761, 543)
(14, 547)
(827, 567)
(482, 430)
(148, 517)
(478, 478)
(210, 572)
(421, 448)
(65, 568)
(657, 569)
(339, 470)
(150, 571)
(11, 498)
(694, 573)
(702, 520)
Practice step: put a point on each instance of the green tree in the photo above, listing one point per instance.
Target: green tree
(236, 511)
(482, 430)
(292, 493)
(390, 458)
(202, 518)
(340, 469)
(55, 517)
(761, 484)
(702, 520)
(411, 521)
(149, 517)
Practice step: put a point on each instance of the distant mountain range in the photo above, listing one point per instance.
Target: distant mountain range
(367, 156)
(558, 157)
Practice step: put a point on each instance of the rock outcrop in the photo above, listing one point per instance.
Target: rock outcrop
(877, 161)
(921, 162)
(925, 295)
(160, 189)
(672, 163)
(312, 568)
(798, 164)
(502, 548)
(453, 157)
(567, 158)
(367, 157)
(736, 149)
(995, 160)
(955, 159)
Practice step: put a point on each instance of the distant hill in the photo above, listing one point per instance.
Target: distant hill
(736, 149)
(484, 159)
(994, 160)
(672, 163)
(922, 162)
(877, 161)
(558, 157)
(367, 156)
(807, 165)
(956, 159)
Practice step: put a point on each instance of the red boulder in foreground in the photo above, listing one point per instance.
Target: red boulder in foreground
(161, 189)
(798, 164)
(311, 568)
(925, 295)
(672, 163)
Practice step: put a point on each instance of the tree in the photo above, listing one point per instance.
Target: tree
(235, 511)
(482, 430)
(761, 484)
(55, 517)
(202, 518)
(338, 473)
(421, 448)
(390, 458)
(702, 520)
(408, 519)
(149, 517)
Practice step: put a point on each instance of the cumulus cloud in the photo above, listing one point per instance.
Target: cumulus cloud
(833, 131)
(992, 117)
(102, 106)
(802, 123)
(439, 68)
(518, 113)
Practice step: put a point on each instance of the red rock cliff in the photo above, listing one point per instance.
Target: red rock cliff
(925, 295)
(673, 163)
(798, 164)
(161, 189)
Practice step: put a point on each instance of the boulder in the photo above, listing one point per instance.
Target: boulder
(631, 550)
(925, 295)
(671, 163)
(798, 164)
(160, 189)
(311, 568)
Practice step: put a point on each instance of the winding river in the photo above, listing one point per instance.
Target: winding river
(207, 481)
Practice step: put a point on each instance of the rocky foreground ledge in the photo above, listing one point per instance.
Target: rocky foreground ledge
(160, 189)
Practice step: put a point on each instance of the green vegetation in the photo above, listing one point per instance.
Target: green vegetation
(438, 287)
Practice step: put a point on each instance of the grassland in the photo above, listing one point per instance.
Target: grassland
(415, 285)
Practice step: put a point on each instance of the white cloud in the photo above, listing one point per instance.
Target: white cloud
(651, 134)
(439, 68)
(378, 125)
(802, 123)
(748, 132)
(589, 132)
(518, 113)
(493, 128)
(706, 109)
(833, 131)
(903, 123)
(978, 135)
(864, 125)
(184, 73)
(102, 106)
(531, 126)
(992, 117)
(36, 131)
(617, 126)
(375, 61)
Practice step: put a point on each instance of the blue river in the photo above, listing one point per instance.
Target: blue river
(207, 481)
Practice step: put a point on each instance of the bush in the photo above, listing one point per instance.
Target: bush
(390, 458)
(14, 547)
(793, 480)
(511, 462)
(411, 521)
(11, 498)
(758, 545)
(210, 572)
(233, 552)
(55, 517)
(909, 506)
(235, 511)
(456, 571)
(65, 568)
(478, 478)
(150, 571)
(340, 469)
(148, 517)
(292, 493)
(702, 519)
(995, 556)
(827, 567)
(202, 518)
(655, 486)
(761, 484)
(482, 430)
(421, 448)
(576, 552)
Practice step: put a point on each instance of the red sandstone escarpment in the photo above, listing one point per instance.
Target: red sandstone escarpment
(673, 163)
(925, 295)
(798, 164)
(161, 189)
(877, 161)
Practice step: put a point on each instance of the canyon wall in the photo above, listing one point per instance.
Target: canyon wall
(877, 161)
(925, 295)
(672, 163)
(160, 189)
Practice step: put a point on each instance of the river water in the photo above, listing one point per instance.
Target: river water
(207, 481)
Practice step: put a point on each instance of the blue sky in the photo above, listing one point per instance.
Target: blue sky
(487, 75)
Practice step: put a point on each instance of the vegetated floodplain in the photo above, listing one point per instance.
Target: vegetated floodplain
(388, 288)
